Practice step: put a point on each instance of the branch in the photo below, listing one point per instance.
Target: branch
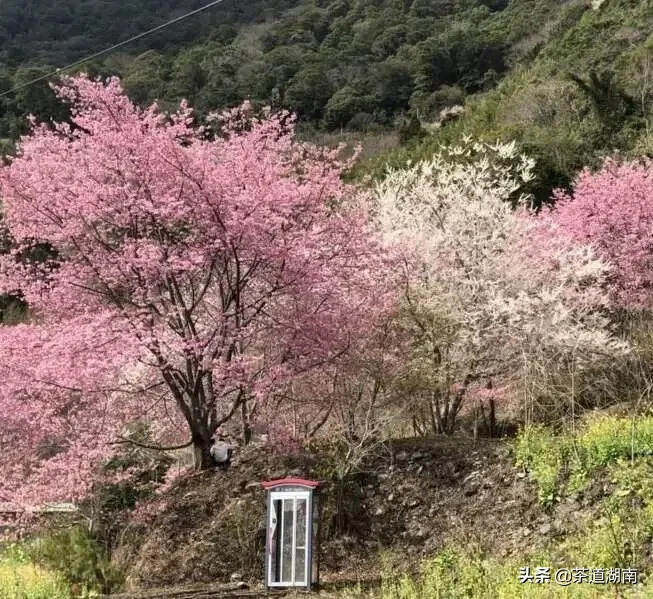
(122, 440)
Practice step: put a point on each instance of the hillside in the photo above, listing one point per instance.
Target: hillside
(429, 517)
(368, 65)
(492, 505)
(410, 502)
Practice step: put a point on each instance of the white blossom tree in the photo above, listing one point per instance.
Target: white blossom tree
(487, 293)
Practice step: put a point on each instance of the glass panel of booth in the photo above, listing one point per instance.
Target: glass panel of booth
(301, 542)
(273, 549)
(287, 540)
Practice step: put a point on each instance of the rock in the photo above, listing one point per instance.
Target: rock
(402, 456)
(526, 531)
(545, 529)
(236, 576)
(379, 511)
(521, 474)
(391, 497)
(470, 477)
(413, 503)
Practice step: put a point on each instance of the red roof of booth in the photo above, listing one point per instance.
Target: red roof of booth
(280, 482)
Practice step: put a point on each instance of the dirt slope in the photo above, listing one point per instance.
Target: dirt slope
(412, 500)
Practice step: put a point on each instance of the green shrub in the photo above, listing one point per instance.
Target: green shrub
(456, 575)
(606, 439)
(539, 452)
(78, 558)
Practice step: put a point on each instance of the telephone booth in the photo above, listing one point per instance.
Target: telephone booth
(292, 538)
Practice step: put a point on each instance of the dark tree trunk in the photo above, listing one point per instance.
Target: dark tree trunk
(246, 429)
(202, 453)
(493, 419)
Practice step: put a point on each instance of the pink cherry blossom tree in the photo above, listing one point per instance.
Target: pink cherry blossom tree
(189, 277)
(612, 210)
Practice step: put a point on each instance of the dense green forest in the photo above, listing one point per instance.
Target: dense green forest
(337, 63)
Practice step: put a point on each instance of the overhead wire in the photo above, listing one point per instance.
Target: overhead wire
(90, 57)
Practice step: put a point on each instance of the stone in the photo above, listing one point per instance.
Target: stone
(470, 477)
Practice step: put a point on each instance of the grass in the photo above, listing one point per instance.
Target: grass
(608, 454)
(21, 579)
(564, 464)
(456, 574)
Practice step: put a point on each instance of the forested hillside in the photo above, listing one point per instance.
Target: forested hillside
(569, 80)
(342, 63)
(38, 36)
(329, 61)
(581, 89)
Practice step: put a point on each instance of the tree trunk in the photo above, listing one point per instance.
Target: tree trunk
(246, 429)
(202, 452)
(493, 419)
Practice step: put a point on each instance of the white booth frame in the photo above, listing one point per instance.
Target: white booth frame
(295, 496)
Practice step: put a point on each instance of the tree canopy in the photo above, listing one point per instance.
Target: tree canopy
(190, 274)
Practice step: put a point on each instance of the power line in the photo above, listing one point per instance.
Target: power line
(110, 49)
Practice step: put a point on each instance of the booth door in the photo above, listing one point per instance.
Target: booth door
(289, 538)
